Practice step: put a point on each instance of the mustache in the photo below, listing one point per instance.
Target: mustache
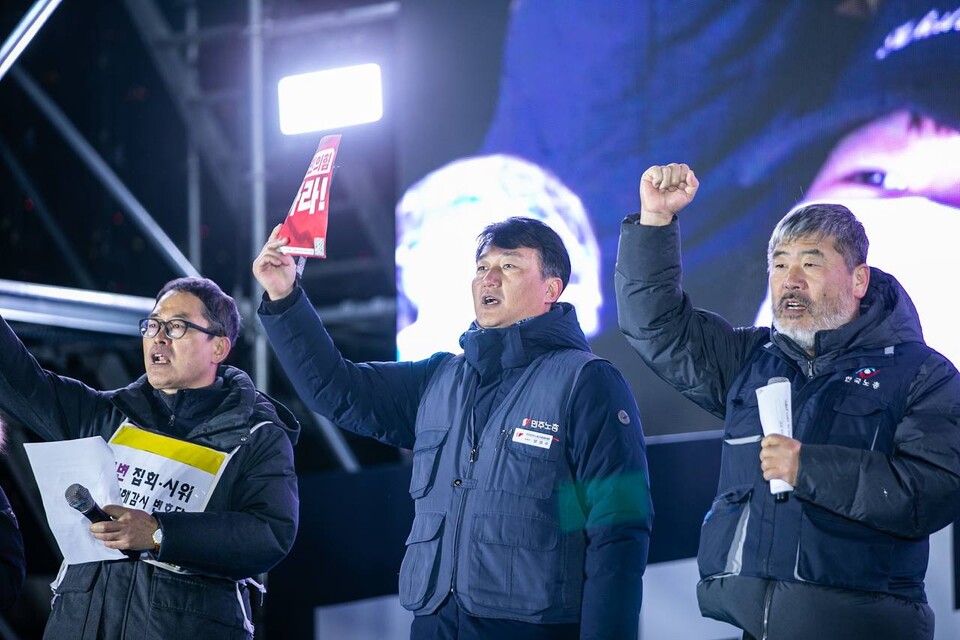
(795, 296)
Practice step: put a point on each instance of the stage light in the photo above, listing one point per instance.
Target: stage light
(330, 99)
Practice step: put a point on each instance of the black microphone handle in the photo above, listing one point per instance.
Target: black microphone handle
(96, 514)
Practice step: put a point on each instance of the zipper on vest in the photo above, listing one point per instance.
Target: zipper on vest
(474, 445)
(474, 439)
(457, 526)
(501, 439)
(767, 602)
(810, 369)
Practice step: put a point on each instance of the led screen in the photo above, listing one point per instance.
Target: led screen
(773, 104)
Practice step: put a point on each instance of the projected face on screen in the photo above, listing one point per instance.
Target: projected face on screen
(438, 221)
(900, 176)
(771, 103)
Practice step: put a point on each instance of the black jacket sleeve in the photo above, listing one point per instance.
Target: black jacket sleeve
(258, 526)
(375, 399)
(695, 351)
(53, 407)
(612, 487)
(13, 566)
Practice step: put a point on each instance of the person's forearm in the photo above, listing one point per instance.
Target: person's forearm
(689, 349)
(613, 584)
(41, 401)
(377, 400)
(900, 495)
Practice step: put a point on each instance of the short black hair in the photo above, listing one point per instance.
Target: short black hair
(219, 309)
(517, 232)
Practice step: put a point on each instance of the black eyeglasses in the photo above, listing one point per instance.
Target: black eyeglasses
(173, 329)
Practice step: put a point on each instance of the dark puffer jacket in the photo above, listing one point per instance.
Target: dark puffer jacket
(877, 411)
(248, 526)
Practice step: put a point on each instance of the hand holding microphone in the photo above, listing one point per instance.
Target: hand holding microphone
(779, 454)
(127, 530)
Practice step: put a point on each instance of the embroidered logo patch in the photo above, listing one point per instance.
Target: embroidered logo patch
(864, 377)
(623, 417)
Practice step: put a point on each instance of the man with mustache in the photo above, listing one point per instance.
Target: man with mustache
(875, 457)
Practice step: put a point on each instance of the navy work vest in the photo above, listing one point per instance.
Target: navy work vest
(487, 497)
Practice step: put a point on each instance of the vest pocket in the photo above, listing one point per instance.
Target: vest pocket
(860, 422)
(723, 532)
(418, 572)
(517, 565)
(426, 455)
(526, 470)
(841, 552)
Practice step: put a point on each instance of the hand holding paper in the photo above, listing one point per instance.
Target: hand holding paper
(776, 417)
(274, 270)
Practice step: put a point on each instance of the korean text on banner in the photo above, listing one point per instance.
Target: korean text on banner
(306, 223)
(160, 473)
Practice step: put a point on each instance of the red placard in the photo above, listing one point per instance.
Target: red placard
(306, 223)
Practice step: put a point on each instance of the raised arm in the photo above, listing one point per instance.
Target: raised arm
(378, 399)
(695, 351)
(53, 407)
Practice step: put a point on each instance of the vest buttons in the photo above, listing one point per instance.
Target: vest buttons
(457, 482)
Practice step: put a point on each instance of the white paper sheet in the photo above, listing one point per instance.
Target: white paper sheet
(56, 466)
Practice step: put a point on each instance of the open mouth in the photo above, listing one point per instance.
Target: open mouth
(158, 358)
(794, 304)
(489, 301)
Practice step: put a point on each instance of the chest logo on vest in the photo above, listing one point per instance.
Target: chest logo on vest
(525, 436)
(864, 377)
(529, 423)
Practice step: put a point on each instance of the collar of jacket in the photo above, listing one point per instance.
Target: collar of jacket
(491, 350)
(887, 317)
(240, 406)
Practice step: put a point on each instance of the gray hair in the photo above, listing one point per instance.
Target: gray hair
(820, 221)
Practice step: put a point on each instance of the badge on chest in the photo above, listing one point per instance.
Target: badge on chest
(532, 438)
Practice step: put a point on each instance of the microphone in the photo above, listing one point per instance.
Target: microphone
(776, 416)
(79, 498)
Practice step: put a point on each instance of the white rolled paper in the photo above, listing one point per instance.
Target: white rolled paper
(776, 416)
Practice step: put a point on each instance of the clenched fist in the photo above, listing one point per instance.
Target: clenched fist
(664, 191)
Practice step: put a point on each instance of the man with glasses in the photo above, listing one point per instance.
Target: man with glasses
(195, 533)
